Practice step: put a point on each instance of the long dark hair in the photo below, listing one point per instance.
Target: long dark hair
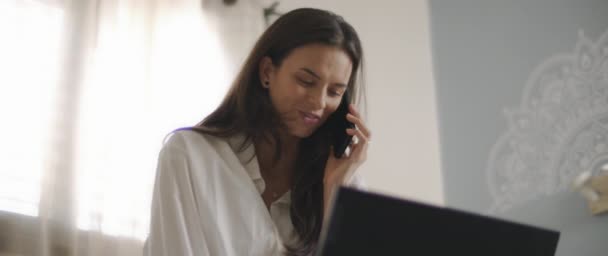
(247, 110)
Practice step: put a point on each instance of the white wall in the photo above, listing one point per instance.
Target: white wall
(404, 157)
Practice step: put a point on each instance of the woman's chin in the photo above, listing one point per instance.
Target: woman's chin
(302, 133)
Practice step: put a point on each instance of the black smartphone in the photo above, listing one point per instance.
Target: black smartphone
(338, 124)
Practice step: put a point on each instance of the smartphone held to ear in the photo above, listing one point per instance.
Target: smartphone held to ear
(338, 125)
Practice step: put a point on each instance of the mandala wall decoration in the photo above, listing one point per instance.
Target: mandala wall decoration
(559, 130)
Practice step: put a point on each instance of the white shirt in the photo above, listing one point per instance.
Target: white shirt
(207, 201)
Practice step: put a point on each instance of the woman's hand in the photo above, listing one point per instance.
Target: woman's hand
(340, 170)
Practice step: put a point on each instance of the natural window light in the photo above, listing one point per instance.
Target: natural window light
(141, 78)
(139, 88)
(30, 44)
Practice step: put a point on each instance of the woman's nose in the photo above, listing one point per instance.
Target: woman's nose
(317, 98)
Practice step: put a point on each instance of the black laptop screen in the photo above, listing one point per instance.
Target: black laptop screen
(368, 224)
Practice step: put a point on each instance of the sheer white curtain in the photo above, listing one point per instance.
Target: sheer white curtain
(89, 89)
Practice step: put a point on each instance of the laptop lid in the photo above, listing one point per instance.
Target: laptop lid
(363, 223)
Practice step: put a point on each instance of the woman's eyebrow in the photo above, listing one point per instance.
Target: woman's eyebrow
(312, 73)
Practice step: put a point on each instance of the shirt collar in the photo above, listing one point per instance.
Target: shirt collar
(249, 161)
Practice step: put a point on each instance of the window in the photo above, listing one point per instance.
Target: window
(144, 74)
(30, 46)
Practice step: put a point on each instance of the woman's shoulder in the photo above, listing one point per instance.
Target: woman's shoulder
(202, 156)
(201, 145)
(188, 140)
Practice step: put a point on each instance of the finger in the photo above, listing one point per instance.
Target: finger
(359, 123)
(353, 148)
(351, 144)
(354, 110)
(358, 150)
(357, 115)
(361, 138)
(354, 139)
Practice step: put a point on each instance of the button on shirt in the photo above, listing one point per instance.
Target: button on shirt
(207, 201)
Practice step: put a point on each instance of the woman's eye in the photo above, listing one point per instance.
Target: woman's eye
(305, 82)
(334, 93)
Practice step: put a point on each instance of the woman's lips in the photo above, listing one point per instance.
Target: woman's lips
(309, 119)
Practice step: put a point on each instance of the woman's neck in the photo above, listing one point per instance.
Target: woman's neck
(277, 169)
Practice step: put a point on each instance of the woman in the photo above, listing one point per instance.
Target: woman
(255, 177)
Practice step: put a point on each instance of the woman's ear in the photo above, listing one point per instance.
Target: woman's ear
(266, 72)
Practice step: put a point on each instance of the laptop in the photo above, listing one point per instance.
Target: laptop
(363, 223)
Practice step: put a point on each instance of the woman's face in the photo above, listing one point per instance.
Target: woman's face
(308, 86)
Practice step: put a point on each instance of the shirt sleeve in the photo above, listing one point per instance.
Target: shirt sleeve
(175, 228)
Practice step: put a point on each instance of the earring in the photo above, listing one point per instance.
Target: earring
(266, 84)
